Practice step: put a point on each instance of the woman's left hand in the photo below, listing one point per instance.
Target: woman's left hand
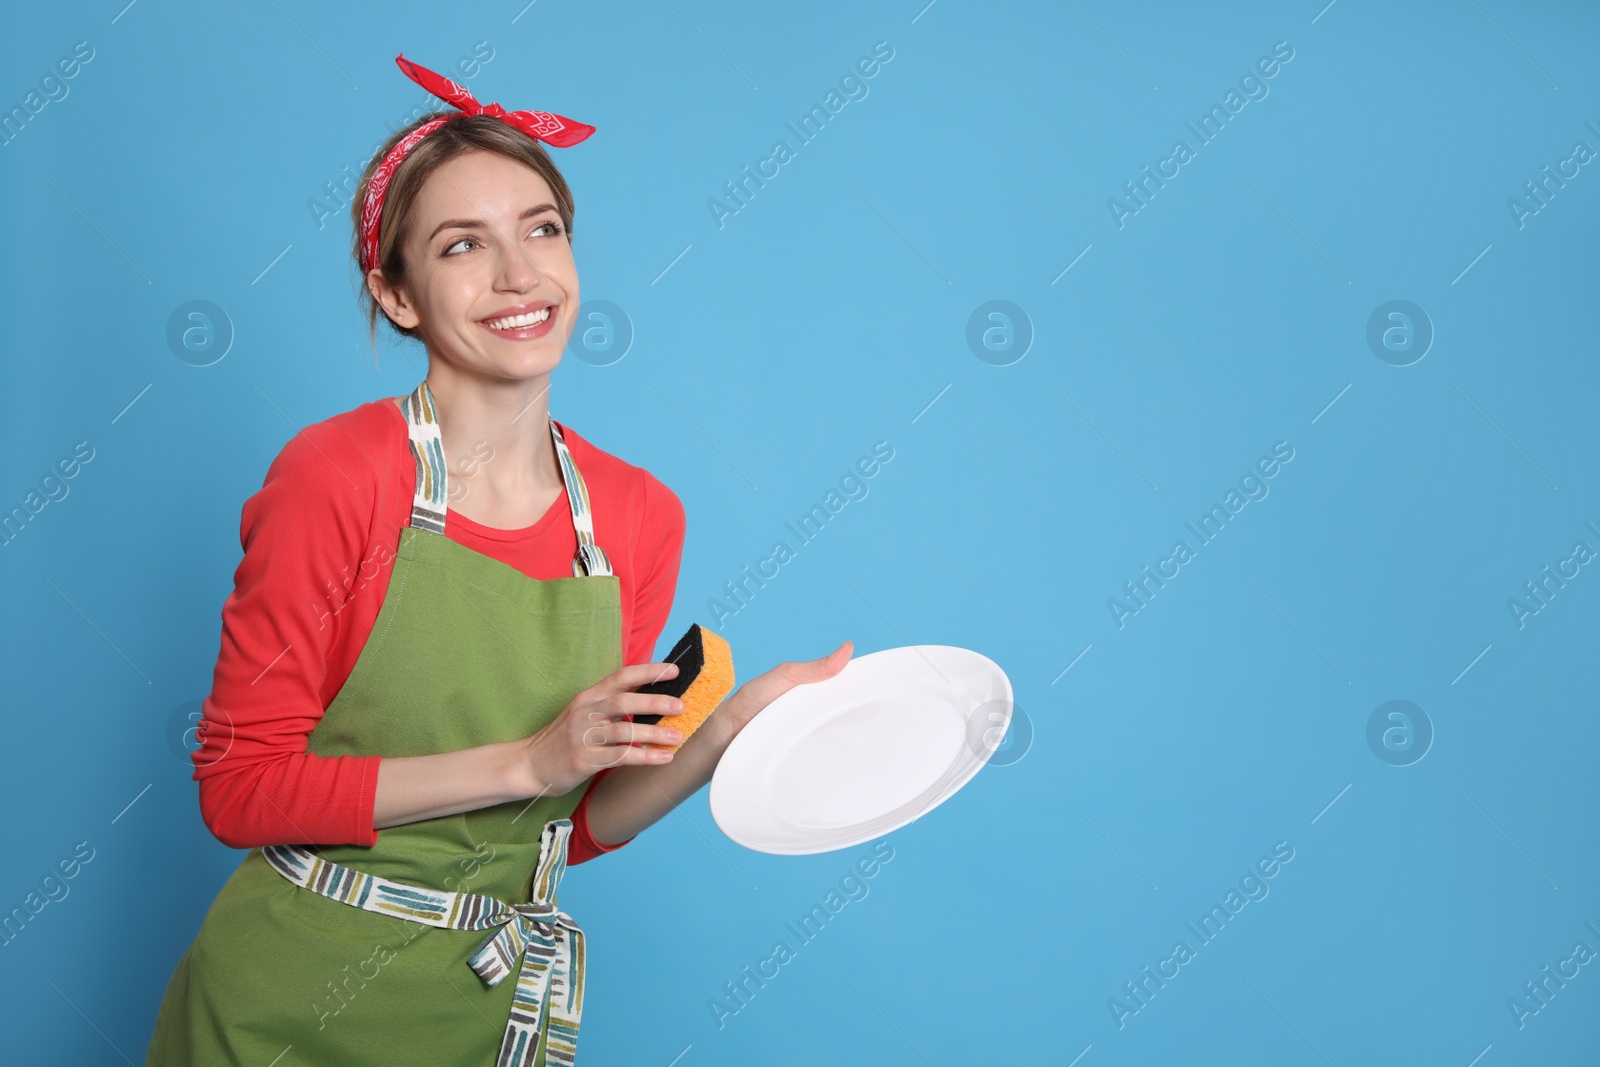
(734, 713)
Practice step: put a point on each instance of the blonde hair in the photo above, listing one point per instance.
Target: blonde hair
(459, 135)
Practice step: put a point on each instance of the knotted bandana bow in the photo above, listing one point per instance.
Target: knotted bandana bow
(540, 125)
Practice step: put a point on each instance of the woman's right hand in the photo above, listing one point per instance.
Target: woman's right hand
(591, 733)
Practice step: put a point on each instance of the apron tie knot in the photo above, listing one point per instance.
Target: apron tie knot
(521, 926)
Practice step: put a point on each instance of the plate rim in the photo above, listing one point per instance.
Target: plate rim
(852, 837)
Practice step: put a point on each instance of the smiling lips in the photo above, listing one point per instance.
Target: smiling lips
(524, 321)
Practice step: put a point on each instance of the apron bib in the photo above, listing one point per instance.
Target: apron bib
(289, 961)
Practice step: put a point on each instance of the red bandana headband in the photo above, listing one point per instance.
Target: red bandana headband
(540, 125)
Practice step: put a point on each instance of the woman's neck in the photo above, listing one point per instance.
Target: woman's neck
(496, 438)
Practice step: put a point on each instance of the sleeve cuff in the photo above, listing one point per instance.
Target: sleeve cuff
(582, 847)
(365, 834)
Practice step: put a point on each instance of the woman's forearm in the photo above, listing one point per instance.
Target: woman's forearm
(624, 802)
(412, 788)
(632, 798)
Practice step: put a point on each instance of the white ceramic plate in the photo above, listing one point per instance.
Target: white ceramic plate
(835, 763)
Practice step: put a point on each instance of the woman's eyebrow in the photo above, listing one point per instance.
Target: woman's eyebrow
(466, 224)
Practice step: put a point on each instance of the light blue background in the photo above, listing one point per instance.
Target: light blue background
(1228, 314)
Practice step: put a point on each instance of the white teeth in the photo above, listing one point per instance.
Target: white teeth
(517, 322)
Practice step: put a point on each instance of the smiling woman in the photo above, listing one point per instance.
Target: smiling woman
(499, 146)
(467, 709)
(488, 260)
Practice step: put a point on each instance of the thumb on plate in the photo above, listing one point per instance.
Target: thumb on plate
(762, 690)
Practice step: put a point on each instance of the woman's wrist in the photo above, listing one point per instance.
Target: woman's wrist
(626, 803)
(519, 769)
(523, 772)
(719, 730)
(697, 758)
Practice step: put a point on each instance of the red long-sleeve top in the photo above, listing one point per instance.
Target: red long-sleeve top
(318, 539)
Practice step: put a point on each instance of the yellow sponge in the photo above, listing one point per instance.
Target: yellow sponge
(705, 678)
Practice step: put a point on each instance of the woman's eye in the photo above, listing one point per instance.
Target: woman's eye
(554, 228)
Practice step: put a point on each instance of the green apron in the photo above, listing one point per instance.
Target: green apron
(466, 651)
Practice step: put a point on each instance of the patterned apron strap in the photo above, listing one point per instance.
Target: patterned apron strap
(550, 943)
(431, 498)
(591, 558)
(429, 502)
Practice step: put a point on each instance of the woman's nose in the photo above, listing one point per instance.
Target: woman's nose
(516, 269)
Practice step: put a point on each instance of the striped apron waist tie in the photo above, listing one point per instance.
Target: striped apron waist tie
(548, 940)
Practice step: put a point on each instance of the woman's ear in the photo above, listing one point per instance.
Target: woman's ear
(394, 300)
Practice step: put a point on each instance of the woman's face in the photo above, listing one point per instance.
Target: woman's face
(484, 245)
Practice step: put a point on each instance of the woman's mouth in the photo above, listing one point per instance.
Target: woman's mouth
(526, 327)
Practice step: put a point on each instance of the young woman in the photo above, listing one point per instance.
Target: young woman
(421, 712)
